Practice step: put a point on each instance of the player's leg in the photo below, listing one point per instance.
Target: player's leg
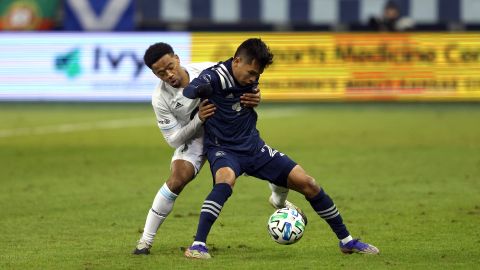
(186, 162)
(300, 181)
(273, 166)
(225, 169)
(213, 204)
(182, 173)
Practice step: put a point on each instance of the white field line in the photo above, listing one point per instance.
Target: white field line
(68, 128)
(118, 123)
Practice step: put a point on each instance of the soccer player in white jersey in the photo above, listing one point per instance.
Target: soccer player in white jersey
(180, 120)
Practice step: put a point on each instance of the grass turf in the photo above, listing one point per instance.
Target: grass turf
(77, 181)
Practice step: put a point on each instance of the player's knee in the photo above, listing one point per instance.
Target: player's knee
(225, 175)
(176, 182)
(182, 173)
(300, 181)
(310, 188)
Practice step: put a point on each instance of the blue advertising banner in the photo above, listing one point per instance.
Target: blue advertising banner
(99, 15)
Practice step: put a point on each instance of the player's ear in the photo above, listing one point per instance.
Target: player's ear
(237, 60)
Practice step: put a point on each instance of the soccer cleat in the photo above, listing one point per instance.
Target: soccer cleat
(355, 246)
(142, 248)
(288, 205)
(197, 252)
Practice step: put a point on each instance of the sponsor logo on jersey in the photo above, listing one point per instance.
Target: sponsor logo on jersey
(229, 95)
(164, 121)
(237, 107)
(178, 105)
(207, 77)
(220, 154)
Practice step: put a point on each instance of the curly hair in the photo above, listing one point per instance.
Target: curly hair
(155, 52)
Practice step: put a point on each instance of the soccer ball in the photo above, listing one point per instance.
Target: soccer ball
(286, 226)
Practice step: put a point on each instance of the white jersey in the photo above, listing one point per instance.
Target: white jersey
(174, 111)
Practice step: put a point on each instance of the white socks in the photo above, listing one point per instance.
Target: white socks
(279, 195)
(195, 243)
(161, 207)
(346, 239)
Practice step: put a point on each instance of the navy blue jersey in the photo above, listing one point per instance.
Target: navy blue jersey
(233, 126)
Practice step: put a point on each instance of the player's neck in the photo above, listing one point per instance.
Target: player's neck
(185, 78)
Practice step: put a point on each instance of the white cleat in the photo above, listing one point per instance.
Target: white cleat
(142, 248)
(288, 205)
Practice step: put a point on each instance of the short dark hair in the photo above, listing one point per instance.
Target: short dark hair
(255, 48)
(155, 52)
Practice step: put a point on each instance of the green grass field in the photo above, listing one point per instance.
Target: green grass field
(77, 181)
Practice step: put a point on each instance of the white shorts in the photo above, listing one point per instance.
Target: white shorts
(191, 152)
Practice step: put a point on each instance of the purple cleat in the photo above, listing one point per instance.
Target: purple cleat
(197, 252)
(355, 246)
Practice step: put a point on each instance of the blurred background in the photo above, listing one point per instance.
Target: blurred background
(232, 15)
(378, 100)
(325, 49)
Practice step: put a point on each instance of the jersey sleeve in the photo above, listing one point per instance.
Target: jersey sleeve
(175, 134)
(202, 86)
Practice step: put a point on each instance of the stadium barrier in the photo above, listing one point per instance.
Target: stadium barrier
(307, 66)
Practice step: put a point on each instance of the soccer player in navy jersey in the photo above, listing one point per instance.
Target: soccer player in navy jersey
(233, 147)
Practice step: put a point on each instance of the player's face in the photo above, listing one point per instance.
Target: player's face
(245, 73)
(168, 69)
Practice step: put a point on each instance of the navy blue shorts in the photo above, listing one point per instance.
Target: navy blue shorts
(267, 164)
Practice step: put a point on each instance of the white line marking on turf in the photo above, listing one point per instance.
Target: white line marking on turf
(122, 123)
(67, 128)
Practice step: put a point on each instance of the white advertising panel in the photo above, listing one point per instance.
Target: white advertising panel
(81, 66)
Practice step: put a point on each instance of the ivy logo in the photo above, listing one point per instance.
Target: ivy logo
(69, 63)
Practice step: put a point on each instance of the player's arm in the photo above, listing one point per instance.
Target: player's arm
(202, 86)
(175, 134)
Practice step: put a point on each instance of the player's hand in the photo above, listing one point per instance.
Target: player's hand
(205, 110)
(251, 99)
